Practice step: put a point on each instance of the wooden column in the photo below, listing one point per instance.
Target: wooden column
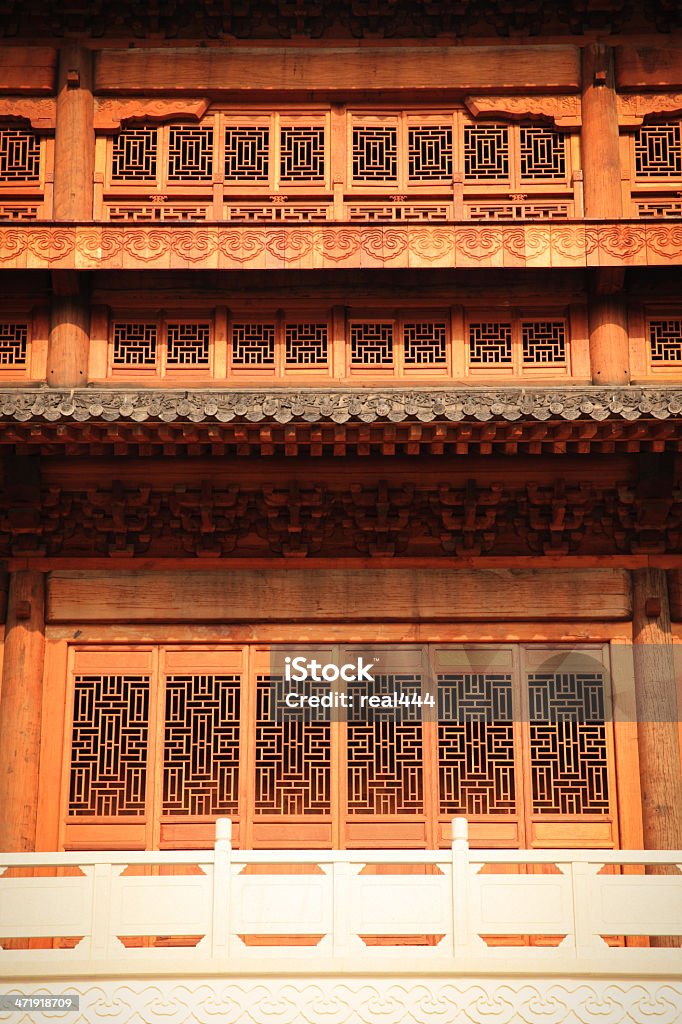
(74, 161)
(657, 712)
(69, 344)
(609, 346)
(599, 134)
(20, 710)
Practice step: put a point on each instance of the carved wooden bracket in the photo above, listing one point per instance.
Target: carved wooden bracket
(563, 111)
(110, 114)
(635, 107)
(40, 112)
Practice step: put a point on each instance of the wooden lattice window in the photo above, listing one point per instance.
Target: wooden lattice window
(542, 154)
(430, 153)
(490, 343)
(247, 154)
(302, 154)
(190, 153)
(476, 757)
(201, 745)
(134, 344)
(19, 156)
(486, 152)
(658, 151)
(306, 344)
(568, 747)
(425, 343)
(109, 745)
(371, 343)
(253, 344)
(135, 155)
(375, 153)
(544, 342)
(188, 345)
(665, 341)
(13, 346)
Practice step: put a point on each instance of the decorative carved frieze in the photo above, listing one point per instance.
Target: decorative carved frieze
(111, 114)
(39, 111)
(562, 111)
(633, 108)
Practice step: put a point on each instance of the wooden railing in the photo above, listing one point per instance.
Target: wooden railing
(445, 911)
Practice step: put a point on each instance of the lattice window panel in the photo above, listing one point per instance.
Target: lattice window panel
(188, 345)
(490, 344)
(145, 212)
(109, 745)
(665, 342)
(201, 745)
(190, 153)
(476, 764)
(135, 154)
(253, 344)
(306, 344)
(517, 211)
(408, 212)
(425, 344)
(660, 209)
(301, 154)
(658, 151)
(375, 153)
(134, 344)
(19, 156)
(542, 155)
(385, 749)
(19, 211)
(371, 344)
(430, 153)
(247, 154)
(544, 342)
(294, 213)
(293, 752)
(13, 346)
(486, 152)
(568, 747)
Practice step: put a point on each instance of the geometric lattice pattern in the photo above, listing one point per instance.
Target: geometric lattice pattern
(293, 754)
(375, 153)
(490, 344)
(665, 342)
(188, 344)
(658, 151)
(134, 155)
(486, 152)
(568, 750)
(371, 344)
(430, 153)
(425, 344)
(542, 154)
(544, 342)
(476, 744)
(253, 344)
(247, 154)
(109, 745)
(301, 154)
(13, 345)
(201, 745)
(385, 750)
(19, 156)
(134, 344)
(190, 153)
(306, 344)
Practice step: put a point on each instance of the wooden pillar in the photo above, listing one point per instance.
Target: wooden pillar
(609, 345)
(657, 712)
(20, 710)
(599, 135)
(74, 161)
(69, 344)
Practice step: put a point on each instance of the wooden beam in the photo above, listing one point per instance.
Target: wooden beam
(337, 69)
(20, 710)
(28, 69)
(648, 67)
(339, 595)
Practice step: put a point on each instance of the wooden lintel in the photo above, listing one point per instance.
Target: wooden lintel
(28, 69)
(647, 67)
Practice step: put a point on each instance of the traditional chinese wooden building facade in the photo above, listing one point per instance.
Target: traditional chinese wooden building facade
(341, 324)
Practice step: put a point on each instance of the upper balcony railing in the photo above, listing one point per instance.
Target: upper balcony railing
(581, 911)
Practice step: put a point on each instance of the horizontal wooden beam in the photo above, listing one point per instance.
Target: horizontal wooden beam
(337, 69)
(647, 67)
(333, 595)
(28, 69)
(316, 247)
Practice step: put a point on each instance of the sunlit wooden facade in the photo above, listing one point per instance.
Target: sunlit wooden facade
(349, 328)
